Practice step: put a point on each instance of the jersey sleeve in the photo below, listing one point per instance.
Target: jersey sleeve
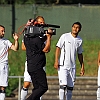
(60, 41)
(9, 43)
(80, 49)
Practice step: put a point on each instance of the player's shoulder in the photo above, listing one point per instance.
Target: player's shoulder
(4, 39)
(79, 40)
(65, 34)
(78, 37)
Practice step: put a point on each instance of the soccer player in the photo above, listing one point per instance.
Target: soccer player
(67, 47)
(5, 45)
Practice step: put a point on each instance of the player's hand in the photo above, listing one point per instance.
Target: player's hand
(56, 65)
(29, 22)
(82, 71)
(49, 32)
(15, 36)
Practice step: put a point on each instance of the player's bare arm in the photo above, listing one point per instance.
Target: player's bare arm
(57, 53)
(98, 58)
(23, 46)
(80, 57)
(15, 46)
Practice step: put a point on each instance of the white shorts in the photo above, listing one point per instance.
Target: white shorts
(67, 76)
(99, 76)
(4, 75)
(27, 77)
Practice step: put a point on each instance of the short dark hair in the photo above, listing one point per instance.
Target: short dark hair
(78, 23)
(2, 26)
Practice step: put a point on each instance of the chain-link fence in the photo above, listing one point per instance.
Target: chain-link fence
(13, 17)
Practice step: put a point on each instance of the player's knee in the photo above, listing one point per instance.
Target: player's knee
(2, 91)
(25, 89)
(70, 88)
(26, 84)
(98, 90)
(63, 87)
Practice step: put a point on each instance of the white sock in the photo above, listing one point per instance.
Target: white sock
(61, 94)
(41, 98)
(2, 96)
(98, 93)
(24, 93)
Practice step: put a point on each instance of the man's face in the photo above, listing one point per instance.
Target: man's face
(75, 29)
(2, 32)
(41, 21)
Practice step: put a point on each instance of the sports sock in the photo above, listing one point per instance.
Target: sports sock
(61, 94)
(41, 98)
(24, 92)
(98, 93)
(2, 96)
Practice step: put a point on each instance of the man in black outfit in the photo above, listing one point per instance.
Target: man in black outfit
(36, 60)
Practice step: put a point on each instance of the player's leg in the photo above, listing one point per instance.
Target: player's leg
(62, 74)
(98, 90)
(24, 90)
(68, 93)
(3, 80)
(70, 83)
(27, 81)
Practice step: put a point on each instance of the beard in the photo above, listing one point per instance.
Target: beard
(1, 36)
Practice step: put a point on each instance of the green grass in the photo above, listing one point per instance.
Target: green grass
(17, 60)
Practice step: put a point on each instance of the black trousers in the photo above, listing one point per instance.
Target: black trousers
(40, 85)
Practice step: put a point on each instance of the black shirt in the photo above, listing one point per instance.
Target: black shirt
(35, 56)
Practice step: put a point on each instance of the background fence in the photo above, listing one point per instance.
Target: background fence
(12, 17)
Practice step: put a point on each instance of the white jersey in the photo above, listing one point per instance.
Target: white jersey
(69, 47)
(4, 46)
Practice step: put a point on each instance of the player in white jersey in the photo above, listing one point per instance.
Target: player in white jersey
(98, 89)
(5, 45)
(67, 47)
